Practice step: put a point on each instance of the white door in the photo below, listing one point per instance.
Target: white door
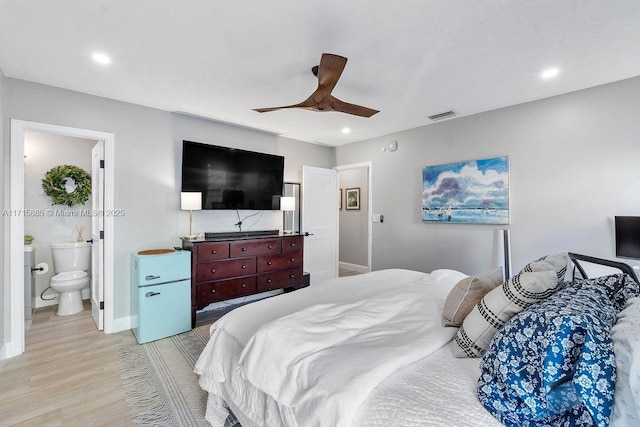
(97, 229)
(320, 220)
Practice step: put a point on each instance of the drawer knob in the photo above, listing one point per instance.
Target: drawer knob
(293, 260)
(292, 276)
(243, 285)
(244, 249)
(269, 263)
(213, 270)
(269, 280)
(213, 291)
(293, 244)
(244, 267)
(214, 252)
(270, 246)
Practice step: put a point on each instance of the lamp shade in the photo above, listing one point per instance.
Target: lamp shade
(287, 203)
(191, 201)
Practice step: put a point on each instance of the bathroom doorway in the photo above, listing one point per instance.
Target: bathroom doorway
(49, 223)
(20, 132)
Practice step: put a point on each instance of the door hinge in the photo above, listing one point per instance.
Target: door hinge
(101, 305)
(101, 164)
(101, 234)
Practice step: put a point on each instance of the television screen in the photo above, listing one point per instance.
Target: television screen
(230, 178)
(627, 236)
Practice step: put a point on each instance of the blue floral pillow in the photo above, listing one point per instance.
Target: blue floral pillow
(553, 364)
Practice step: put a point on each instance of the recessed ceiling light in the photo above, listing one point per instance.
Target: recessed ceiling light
(346, 130)
(101, 58)
(550, 73)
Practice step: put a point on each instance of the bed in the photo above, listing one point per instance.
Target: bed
(370, 350)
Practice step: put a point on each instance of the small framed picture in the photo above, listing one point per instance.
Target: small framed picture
(353, 198)
(340, 199)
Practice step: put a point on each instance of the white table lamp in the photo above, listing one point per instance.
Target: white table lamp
(191, 201)
(288, 205)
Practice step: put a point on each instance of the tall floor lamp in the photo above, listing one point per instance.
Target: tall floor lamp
(288, 205)
(191, 201)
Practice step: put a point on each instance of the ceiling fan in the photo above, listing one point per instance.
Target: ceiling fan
(328, 73)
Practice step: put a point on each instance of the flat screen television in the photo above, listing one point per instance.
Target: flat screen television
(230, 178)
(627, 236)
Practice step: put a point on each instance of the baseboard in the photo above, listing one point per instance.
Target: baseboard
(122, 324)
(8, 351)
(353, 267)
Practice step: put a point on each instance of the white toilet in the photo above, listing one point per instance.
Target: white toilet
(70, 262)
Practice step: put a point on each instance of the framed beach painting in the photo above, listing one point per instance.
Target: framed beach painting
(475, 192)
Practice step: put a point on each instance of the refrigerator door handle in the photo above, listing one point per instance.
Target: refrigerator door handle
(152, 294)
(152, 277)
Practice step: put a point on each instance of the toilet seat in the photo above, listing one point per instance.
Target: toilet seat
(69, 275)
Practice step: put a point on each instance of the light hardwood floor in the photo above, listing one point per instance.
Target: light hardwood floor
(68, 376)
(344, 273)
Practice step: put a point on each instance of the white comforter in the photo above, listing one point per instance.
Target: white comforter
(436, 390)
(218, 367)
(324, 361)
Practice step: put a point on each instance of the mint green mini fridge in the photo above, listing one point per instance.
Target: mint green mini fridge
(161, 295)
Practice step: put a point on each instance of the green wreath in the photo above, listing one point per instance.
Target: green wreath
(53, 185)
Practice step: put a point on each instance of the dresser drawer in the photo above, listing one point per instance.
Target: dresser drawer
(279, 262)
(225, 289)
(292, 244)
(255, 247)
(212, 251)
(279, 279)
(216, 270)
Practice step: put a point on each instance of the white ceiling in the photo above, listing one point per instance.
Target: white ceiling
(407, 58)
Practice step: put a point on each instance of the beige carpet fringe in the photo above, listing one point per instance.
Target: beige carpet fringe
(159, 380)
(143, 391)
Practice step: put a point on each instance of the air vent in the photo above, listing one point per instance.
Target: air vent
(442, 116)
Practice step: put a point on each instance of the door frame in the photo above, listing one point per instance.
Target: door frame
(369, 165)
(15, 346)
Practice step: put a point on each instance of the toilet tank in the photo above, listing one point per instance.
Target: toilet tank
(71, 256)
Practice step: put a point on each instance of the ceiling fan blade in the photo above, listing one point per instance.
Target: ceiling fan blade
(329, 71)
(308, 103)
(356, 110)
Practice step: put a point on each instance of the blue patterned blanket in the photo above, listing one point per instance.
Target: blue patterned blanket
(553, 364)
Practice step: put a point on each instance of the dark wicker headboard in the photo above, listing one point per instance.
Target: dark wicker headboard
(625, 268)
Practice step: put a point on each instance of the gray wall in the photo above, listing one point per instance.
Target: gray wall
(574, 165)
(148, 146)
(354, 223)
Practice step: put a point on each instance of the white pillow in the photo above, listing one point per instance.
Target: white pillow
(500, 305)
(625, 335)
(535, 282)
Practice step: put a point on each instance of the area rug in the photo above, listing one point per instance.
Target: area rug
(160, 384)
